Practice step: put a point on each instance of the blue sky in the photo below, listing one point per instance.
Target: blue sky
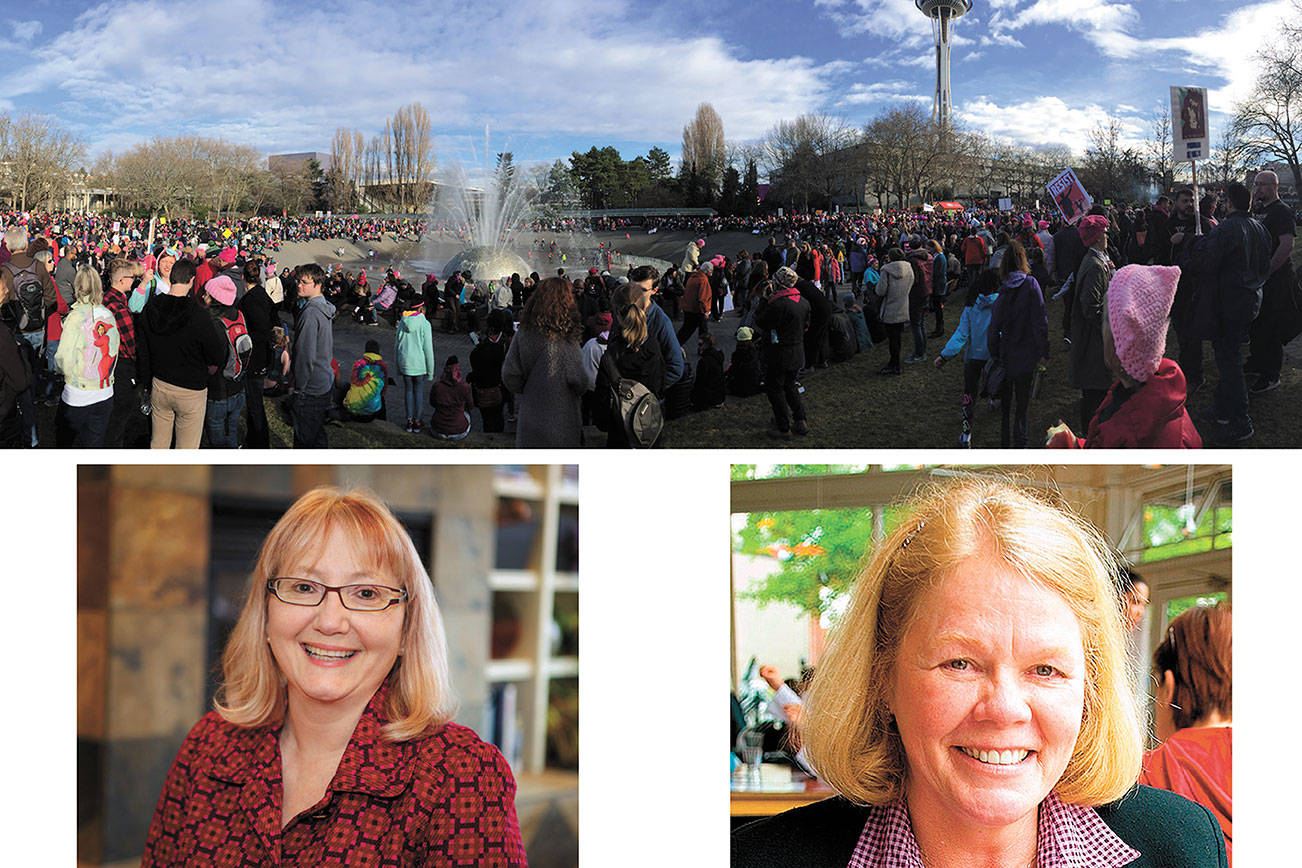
(553, 76)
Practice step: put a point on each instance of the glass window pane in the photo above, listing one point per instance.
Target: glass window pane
(518, 525)
(1176, 606)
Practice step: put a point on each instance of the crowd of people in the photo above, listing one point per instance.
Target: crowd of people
(823, 288)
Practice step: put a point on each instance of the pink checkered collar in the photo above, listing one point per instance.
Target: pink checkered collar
(1068, 836)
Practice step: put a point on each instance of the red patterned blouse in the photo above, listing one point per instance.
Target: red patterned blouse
(443, 799)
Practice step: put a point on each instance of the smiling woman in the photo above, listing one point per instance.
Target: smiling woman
(972, 706)
(331, 742)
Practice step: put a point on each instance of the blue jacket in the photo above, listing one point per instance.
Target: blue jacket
(972, 328)
(661, 330)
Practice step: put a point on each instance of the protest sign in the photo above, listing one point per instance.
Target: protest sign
(1190, 137)
(1068, 193)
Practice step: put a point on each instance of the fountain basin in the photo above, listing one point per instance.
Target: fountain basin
(487, 263)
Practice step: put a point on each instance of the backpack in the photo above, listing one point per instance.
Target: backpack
(29, 294)
(241, 347)
(633, 403)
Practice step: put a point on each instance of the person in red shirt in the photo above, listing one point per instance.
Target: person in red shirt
(975, 255)
(331, 741)
(697, 301)
(1193, 712)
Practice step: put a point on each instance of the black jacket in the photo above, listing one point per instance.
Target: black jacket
(1232, 264)
(743, 375)
(782, 321)
(643, 364)
(708, 390)
(178, 343)
(258, 308)
(1167, 830)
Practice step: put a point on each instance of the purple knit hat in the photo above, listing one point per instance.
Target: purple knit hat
(1139, 301)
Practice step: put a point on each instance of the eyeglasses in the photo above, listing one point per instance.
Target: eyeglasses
(357, 598)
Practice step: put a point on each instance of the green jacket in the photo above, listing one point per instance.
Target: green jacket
(1169, 831)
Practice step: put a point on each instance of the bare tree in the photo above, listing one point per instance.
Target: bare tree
(1157, 147)
(409, 157)
(344, 174)
(160, 175)
(40, 156)
(906, 151)
(1269, 122)
(704, 147)
(802, 159)
(1229, 159)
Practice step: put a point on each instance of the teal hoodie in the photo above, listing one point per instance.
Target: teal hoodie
(414, 345)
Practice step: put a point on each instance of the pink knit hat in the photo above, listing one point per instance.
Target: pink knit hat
(1139, 301)
(222, 289)
(1091, 228)
(700, 242)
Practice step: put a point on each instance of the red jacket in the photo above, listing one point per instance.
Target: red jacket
(443, 799)
(974, 250)
(697, 295)
(1151, 417)
(1196, 763)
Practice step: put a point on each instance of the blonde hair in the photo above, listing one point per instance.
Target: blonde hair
(87, 287)
(121, 266)
(849, 734)
(632, 319)
(420, 696)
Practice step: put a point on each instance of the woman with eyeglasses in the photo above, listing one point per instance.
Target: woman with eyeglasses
(1194, 712)
(331, 741)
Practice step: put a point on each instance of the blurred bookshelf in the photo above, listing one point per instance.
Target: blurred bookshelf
(533, 663)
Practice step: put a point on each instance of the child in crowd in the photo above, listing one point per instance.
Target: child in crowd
(278, 371)
(744, 376)
(970, 339)
(364, 399)
(1145, 408)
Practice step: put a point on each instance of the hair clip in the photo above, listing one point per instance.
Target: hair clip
(908, 539)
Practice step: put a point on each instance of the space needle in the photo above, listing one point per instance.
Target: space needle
(941, 12)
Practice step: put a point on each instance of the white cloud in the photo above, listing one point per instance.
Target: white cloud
(882, 92)
(899, 20)
(24, 31)
(1000, 39)
(579, 66)
(1046, 120)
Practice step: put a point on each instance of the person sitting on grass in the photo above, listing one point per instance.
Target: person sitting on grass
(364, 399)
(1145, 408)
(452, 400)
(708, 391)
(744, 377)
